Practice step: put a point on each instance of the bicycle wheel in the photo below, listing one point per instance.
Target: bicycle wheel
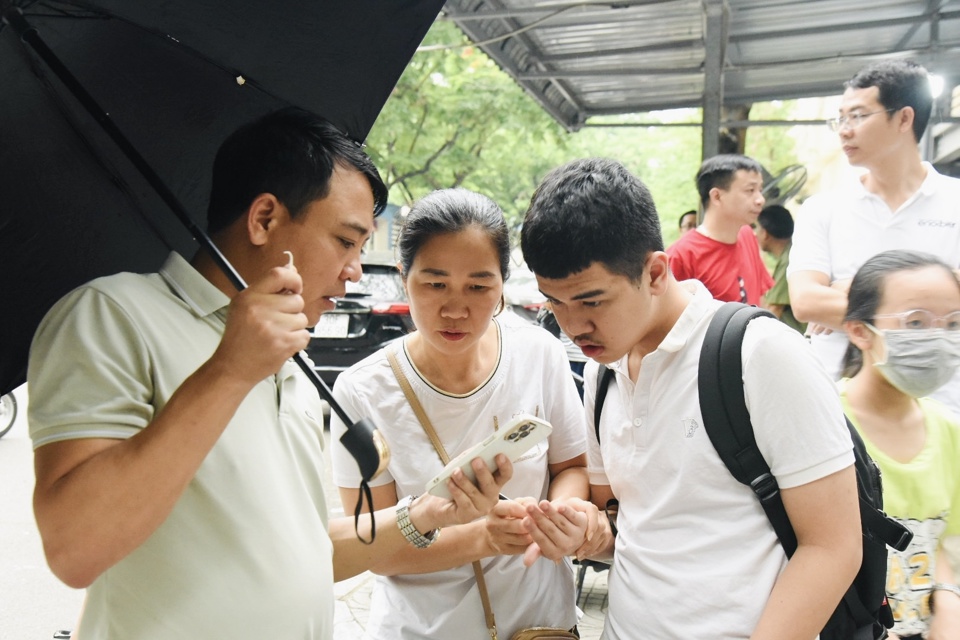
(8, 413)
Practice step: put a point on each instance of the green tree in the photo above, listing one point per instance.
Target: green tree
(455, 119)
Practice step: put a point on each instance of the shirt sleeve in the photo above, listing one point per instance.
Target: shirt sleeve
(89, 372)
(563, 408)
(796, 412)
(778, 293)
(346, 473)
(949, 448)
(811, 242)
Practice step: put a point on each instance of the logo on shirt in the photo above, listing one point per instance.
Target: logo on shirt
(948, 224)
(689, 427)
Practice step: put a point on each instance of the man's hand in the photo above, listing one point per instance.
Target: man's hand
(265, 326)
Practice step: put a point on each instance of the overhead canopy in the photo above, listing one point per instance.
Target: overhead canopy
(586, 59)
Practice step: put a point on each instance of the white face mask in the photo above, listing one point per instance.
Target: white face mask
(919, 361)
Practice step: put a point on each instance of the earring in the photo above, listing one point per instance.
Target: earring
(501, 306)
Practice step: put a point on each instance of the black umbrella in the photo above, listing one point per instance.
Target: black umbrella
(111, 112)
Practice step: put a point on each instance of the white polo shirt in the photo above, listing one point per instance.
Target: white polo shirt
(696, 557)
(837, 231)
(245, 552)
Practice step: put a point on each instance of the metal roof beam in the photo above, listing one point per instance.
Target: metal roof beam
(517, 12)
(716, 46)
(672, 45)
(932, 7)
(833, 28)
(621, 71)
(498, 52)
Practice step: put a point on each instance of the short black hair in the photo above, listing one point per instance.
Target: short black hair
(901, 83)
(692, 212)
(586, 211)
(777, 221)
(290, 153)
(720, 170)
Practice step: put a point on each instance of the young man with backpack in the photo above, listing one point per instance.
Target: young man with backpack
(695, 556)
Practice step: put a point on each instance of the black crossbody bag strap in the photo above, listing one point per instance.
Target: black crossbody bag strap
(725, 415)
(604, 376)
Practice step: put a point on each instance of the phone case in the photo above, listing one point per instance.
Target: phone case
(514, 439)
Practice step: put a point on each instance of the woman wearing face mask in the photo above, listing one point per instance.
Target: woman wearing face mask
(903, 321)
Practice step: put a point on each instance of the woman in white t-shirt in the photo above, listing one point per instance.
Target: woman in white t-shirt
(903, 320)
(472, 372)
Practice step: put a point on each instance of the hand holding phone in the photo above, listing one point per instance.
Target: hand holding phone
(514, 439)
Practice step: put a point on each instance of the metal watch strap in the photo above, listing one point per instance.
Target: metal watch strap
(410, 532)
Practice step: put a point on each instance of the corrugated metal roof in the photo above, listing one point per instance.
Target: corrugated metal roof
(586, 59)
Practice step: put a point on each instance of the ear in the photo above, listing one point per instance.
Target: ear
(658, 272)
(715, 194)
(860, 336)
(906, 116)
(263, 215)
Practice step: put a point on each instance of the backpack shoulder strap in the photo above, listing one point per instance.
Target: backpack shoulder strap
(726, 418)
(604, 377)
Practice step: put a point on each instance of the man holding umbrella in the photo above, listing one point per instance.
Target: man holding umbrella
(178, 452)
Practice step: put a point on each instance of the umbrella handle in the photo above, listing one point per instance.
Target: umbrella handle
(362, 439)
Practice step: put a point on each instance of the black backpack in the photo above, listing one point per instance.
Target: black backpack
(864, 613)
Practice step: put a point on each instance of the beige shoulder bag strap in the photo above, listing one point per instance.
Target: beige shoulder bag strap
(431, 432)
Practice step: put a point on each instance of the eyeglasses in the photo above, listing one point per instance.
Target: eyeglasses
(923, 319)
(853, 120)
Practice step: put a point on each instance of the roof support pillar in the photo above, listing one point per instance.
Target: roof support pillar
(714, 55)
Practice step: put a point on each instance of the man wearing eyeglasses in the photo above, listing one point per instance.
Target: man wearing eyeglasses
(900, 202)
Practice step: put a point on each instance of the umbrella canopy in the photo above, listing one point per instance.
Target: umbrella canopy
(175, 77)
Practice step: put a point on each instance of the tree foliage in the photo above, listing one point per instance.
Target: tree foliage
(456, 119)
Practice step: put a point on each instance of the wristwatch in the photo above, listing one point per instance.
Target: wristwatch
(943, 586)
(414, 537)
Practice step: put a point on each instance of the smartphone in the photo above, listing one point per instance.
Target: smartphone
(514, 439)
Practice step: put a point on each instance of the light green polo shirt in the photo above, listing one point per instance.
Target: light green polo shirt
(245, 553)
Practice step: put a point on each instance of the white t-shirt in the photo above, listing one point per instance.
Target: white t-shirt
(532, 377)
(839, 230)
(696, 557)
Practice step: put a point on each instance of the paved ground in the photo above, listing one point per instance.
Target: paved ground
(33, 603)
